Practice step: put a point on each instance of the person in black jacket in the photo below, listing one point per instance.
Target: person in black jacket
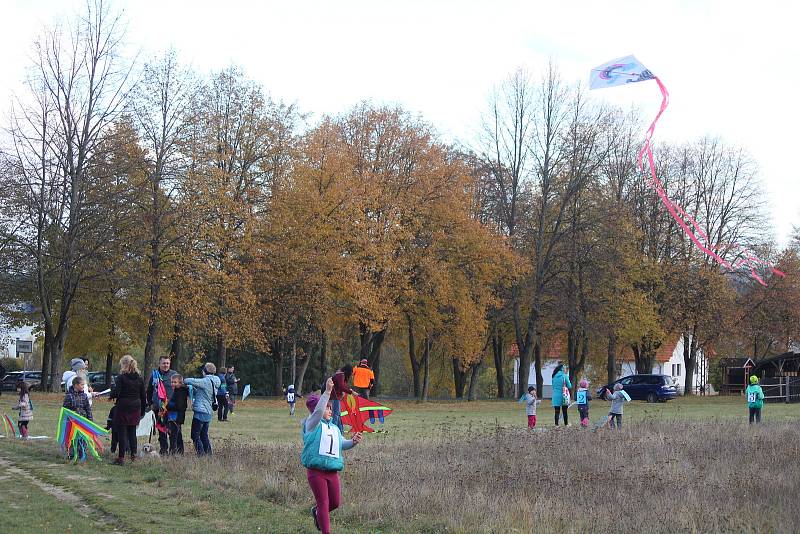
(176, 413)
(129, 392)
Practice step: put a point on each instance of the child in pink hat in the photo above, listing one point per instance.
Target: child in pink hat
(582, 398)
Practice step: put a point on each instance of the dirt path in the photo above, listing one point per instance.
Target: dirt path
(64, 496)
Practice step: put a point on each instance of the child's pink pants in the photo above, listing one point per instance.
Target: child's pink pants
(325, 487)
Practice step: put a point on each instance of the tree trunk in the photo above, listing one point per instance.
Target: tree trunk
(294, 361)
(222, 353)
(176, 348)
(689, 360)
(426, 357)
(323, 359)
(537, 350)
(152, 320)
(47, 377)
(473, 381)
(459, 378)
(278, 355)
(57, 355)
(644, 354)
(371, 344)
(415, 364)
(611, 364)
(497, 350)
(298, 387)
(149, 349)
(572, 349)
(112, 334)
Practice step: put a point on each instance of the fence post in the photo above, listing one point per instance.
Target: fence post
(788, 399)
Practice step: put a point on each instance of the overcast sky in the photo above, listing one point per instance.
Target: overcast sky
(731, 67)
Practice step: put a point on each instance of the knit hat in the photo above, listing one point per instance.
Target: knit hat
(76, 364)
(363, 362)
(583, 383)
(312, 401)
(753, 379)
(290, 388)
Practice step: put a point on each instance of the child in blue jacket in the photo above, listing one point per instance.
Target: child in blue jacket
(582, 398)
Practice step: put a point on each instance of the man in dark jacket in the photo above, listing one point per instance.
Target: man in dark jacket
(233, 387)
(164, 375)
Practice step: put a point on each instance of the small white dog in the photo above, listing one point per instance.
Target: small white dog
(148, 451)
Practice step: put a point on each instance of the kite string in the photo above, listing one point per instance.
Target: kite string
(679, 214)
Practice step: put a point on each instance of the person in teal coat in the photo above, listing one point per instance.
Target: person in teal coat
(755, 399)
(560, 402)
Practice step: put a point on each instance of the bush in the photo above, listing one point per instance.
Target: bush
(12, 364)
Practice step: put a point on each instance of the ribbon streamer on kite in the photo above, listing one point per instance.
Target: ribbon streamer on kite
(627, 70)
(357, 410)
(160, 401)
(77, 435)
(11, 429)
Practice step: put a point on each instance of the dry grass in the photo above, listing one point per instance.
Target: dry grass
(722, 476)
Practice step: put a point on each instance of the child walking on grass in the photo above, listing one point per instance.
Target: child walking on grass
(618, 399)
(582, 398)
(25, 407)
(291, 398)
(77, 401)
(322, 455)
(755, 399)
(176, 413)
(530, 406)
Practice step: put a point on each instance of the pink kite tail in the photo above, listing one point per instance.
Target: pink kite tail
(680, 215)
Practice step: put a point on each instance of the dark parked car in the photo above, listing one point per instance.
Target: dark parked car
(98, 381)
(652, 388)
(32, 378)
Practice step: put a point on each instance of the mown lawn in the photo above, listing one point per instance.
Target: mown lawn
(454, 466)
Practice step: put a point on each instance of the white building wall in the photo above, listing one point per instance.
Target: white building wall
(674, 367)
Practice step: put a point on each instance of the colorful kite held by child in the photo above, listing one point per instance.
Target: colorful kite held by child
(357, 410)
(77, 435)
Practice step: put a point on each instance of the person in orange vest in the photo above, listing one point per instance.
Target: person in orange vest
(363, 379)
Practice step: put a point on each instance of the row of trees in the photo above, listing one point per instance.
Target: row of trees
(156, 208)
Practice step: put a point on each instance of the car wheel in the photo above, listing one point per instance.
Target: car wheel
(652, 397)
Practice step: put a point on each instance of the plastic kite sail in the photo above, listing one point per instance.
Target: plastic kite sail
(10, 428)
(627, 70)
(246, 391)
(357, 410)
(146, 424)
(78, 435)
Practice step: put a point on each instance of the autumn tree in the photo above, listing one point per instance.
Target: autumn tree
(161, 108)
(75, 93)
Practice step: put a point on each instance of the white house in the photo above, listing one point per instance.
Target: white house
(668, 361)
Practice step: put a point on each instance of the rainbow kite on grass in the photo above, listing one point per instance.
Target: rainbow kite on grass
(11, 429)
(77, 434)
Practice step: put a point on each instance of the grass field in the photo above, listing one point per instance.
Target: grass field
(687, 465)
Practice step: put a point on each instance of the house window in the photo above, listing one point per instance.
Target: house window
(676, 369)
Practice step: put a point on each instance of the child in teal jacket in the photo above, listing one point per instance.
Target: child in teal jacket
(755, 399)
(322, 456)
